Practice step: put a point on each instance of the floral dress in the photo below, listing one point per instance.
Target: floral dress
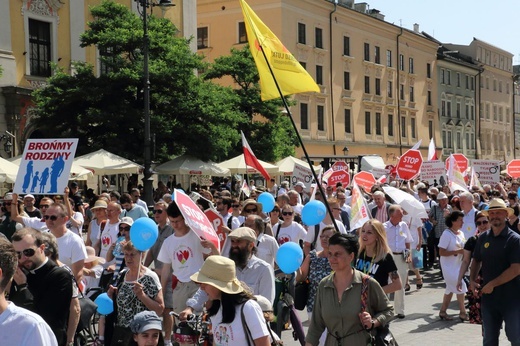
(319, 268)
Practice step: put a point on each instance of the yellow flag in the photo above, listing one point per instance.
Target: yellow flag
(290, 75)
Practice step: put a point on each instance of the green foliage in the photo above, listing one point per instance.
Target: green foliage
(271, 140)
(188, 114)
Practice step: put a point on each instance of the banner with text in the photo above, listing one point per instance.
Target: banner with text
(303, 174)
(488, 171)
(45, 166)
(434, 172)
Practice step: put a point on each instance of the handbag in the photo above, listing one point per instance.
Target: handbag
(383, 336)
(301, 294)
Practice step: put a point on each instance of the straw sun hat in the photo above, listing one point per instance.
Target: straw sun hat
(498, 204)
(219, 272)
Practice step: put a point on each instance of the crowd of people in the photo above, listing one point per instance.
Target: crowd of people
(56, 249)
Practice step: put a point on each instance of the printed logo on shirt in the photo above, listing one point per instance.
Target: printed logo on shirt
(106, 240)
(365, 266)
(223, 335)
(284, 239)
(183, 254)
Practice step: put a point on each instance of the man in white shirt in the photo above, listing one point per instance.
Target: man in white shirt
(136, 194)
(293, 201)
(468, 222)
(266, 245)
(33, 222)
(399, 240)
(18, 326)
(108, 236)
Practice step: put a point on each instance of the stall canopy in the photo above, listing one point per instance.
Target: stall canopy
(102, 162)
(286, 165)
(77, 172)
(237, 165)
(8, 171)
(186, 164)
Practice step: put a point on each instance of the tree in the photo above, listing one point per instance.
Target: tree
(268, 131)
(188, 114)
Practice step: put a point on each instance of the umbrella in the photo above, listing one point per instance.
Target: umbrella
(408, 202)
(8, 171)
(186, 164)
(102, 162)
(237, 165)
(287, 165)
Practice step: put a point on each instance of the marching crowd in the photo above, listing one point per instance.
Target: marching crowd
(47, 264)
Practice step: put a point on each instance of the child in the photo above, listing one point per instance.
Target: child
(92, 271)
(267, 308)
(146, 327)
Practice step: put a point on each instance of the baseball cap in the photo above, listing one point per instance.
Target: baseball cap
(441, 195)
(145, 320)
(28, 196)
(300, 184)
(127, 220)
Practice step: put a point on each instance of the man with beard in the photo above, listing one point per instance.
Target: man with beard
(8, 226)
(50, 285)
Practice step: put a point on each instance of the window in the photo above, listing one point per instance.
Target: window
(390, 87)
(494, 85)
(401, 92)
(428, 70)
(318, 37)
(368, 125)
(467, 140)
(367, 52)
(378, 124)
(348, 128)
(458, 80)
(390, 125)
(444, 144)
(202, 37)
(378, 87)
(346, 80)
(495, 113)
(467, 111)
(449, 144)
(346, 45)
(412, 97)
(458, 109)
(40, 48)
(403, 127)
(467, 82)
(430, 128)
(242, 33)
(367, 85)
(459, 141)
(319, 75)
(377, 55)
(500, 86)
(443, 107)
(443, 76)
(304, 116)
(429, 98)
(413, 128)
(389, 58)
(401, 62)
(448, 108)
(410, 65)
(321, 118)
(448, 77)
(301, 33)
(304, 65)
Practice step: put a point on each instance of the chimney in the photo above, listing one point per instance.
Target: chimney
(416, 28)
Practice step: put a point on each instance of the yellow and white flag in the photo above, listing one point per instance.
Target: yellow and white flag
(359, 214)
(455, 177)
(291, 77)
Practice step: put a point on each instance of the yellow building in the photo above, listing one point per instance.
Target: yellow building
(378, 86)
(35, 33)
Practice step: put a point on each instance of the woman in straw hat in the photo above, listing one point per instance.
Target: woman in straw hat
(230, 304)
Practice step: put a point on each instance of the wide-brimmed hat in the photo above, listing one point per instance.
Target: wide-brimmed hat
(100, 204)
(498, 204)
(145, 320)
(219, 272)
(91, 256)
(251, 202)
(243, 233)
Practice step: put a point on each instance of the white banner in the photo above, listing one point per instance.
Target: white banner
(303, 174)
(488, 171)
(434, 172)
(45, 166)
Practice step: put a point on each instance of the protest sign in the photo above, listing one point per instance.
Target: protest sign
(434, 172)
(487, 171)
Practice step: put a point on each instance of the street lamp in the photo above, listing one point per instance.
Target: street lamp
(345, 151)
(148, 181)
(8, 145)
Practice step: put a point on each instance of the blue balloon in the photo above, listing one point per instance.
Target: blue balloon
(105, 305)
(144, 233)
(267, 201)
(313, 213)
(289, 257)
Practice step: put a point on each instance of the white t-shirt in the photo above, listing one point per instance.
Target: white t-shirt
(266, 248)
(413, 224)
(92, 281)
(35, 222)
(225, 334)
(19, 326)
(185, 254)
(71, 248)
(106, 238)
(293, 233)
(311, 232)
(78, 217)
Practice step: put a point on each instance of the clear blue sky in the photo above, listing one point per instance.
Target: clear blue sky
(458, 21)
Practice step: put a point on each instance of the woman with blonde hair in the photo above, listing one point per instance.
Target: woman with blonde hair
(375, 257)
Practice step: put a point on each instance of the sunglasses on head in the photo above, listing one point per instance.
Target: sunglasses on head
(157, 211)
(485, 222)
(285, 213)
(52, 217)
(250, 210)
(26, 253)
(124, 228)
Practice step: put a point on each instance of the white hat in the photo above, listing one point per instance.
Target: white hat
(28, 196)
(441, 195)
(300, 183)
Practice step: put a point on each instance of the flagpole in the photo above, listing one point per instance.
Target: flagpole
(318, 183)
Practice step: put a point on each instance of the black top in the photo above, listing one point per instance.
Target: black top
(35, 213)
(378, 270)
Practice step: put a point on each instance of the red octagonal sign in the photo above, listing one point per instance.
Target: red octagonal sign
(365, 179)
(462, 162)
(513, 169)
(339, 176)
(409, 165)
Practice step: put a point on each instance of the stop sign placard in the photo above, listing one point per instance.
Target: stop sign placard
(513, 169)
(217, 221)
(365, 179)
(339, 166)
(339, 176)
(409, 165)
(462, 162)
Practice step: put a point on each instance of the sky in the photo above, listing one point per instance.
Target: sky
(458, 21)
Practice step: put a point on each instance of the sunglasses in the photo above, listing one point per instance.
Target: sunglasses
(26, 253)
(236, 205)
(485, 222)
(275, 211)
(285, 213)
(52, 217)
(44, 206)
(157, 211)
(250, 210)
(124, 229)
